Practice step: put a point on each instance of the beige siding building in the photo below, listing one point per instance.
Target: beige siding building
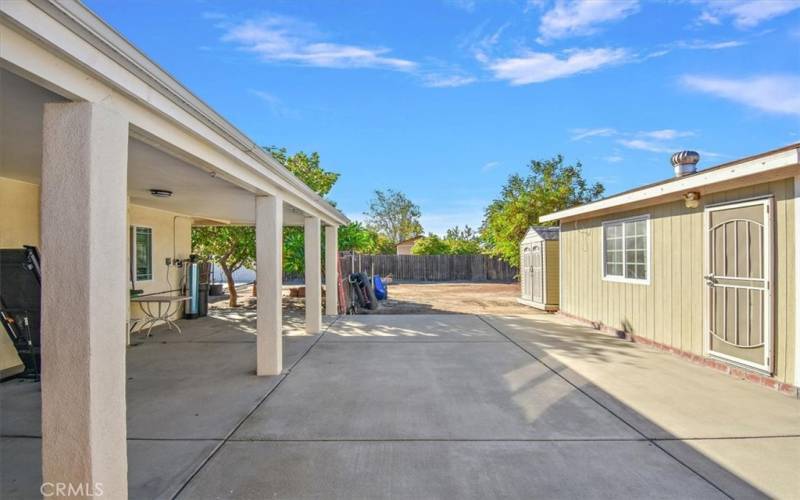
(703, 265)
(405, 246)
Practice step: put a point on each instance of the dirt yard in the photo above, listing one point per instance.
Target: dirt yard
(457, 298)
(422, 298)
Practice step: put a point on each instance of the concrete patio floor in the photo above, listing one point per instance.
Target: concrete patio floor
(429, 406)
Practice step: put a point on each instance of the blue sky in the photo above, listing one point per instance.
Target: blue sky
(443, 99)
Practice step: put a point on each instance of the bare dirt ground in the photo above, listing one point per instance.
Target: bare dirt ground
(420, 298)
(456, 298)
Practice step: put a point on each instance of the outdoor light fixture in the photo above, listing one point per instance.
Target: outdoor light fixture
(691, 199)
(161, 193)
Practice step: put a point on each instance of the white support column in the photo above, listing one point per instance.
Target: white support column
(313, 263)
(84, 298)
(331, 270)
(269, 282)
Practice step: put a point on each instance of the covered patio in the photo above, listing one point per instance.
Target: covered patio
(107, 162)
(430, 406)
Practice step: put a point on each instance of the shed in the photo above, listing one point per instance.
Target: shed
(539, 268)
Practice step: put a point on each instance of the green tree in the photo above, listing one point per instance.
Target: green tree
(430, 245)
(306, 168)
(383, 245)
(393, 215)
(230, 247)
(456, 241)
(355, 237)
(233, 247)
(549, 186)
(462, 241)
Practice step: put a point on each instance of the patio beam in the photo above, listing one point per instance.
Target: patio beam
(331, 270)
(313, 264)
(84, 299)
(269, 283)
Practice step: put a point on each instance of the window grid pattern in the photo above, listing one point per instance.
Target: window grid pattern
(626, 249)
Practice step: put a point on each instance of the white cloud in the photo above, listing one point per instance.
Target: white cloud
(645, 145)
(275, 104)
(706, 45)
(745, 13)
(489, 166)
(664, 134)
(284, 39)
(578, 134)
(613, 158)
(536, 67)
(777, 94)
(578, 18)
(447, 81)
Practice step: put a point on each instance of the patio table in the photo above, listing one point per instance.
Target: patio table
(159, 308)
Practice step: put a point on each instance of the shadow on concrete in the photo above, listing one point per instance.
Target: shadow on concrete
(415, 406)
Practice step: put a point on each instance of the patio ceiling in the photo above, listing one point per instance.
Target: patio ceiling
(151, 164)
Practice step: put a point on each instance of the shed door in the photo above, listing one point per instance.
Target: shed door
(526, 270)
(739, 282)
(537, 276)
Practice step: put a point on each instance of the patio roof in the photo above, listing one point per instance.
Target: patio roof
(160, 110)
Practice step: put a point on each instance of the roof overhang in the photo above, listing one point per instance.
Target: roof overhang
(141, 80)
(772, 165)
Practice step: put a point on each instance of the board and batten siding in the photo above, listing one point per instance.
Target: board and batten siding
(669, 310)
(551, 272)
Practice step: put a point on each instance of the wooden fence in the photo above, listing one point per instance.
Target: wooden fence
(430, 267)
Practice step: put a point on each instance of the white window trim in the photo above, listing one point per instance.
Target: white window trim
(648, 266)
(136, 279)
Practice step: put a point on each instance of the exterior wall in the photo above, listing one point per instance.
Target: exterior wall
(551, 272)
(670, 310)
(20, 223)
(19, 213)
(405, 248)
(161, 222)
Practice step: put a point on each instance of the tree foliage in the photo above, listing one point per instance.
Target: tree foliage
(550, 186)
(429, 245)
(356, 237)
(230, 247)
(306, 168)
(456, 241)
(393, 215)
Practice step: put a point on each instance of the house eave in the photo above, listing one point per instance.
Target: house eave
(751, 167)
(88, 26)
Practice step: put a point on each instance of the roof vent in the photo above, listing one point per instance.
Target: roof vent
(685, 162)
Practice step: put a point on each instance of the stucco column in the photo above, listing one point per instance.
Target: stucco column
(331, 270)
(84, 298)
(269, 283)
(313, 264)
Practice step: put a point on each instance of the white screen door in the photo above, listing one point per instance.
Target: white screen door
(739, 282)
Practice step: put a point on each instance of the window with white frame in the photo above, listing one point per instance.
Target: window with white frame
(625, 249)
(142, 255)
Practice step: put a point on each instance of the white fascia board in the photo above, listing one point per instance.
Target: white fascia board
(754, 166)
(71, 33)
